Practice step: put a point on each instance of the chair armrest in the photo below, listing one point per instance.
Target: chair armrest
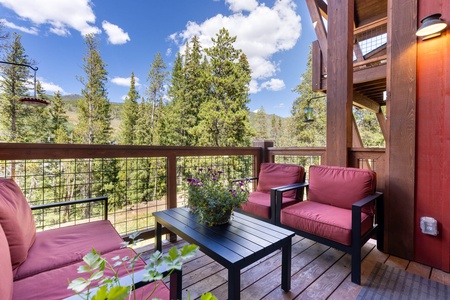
(276, 198)
(59, 204)
(363, 202)
(285, 188)
(356, 212)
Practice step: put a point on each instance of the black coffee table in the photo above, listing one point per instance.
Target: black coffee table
(236, 245)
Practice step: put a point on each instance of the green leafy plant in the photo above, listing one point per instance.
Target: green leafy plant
(212, 197)
(109, 287)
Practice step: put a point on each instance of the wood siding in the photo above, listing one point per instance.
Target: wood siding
(433, 140)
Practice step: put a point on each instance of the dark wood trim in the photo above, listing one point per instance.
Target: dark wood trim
(401, 121)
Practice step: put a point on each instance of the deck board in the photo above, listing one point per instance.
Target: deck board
(318, 272)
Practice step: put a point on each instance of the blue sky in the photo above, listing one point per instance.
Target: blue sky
(275, 35)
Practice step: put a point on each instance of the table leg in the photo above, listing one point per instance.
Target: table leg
(158, 234)
(234, 284)
(286, 253)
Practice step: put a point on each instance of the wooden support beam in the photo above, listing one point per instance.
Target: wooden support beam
(317, 63)
(357, 141)
(401, 121)
(362, 101)
(382, 122)
(319, 27)
(340, 81)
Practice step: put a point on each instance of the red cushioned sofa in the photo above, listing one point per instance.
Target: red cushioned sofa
(261, 203)
(342, 210)
(37, 265)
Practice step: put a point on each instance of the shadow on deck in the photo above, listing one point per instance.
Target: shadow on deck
(318, 272)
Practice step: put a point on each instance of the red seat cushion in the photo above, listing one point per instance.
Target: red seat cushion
(6, 277)
(53, 284)
(259, 204)
(274, 175)
(67, 245)
(340, 186)
(330, 222)
(17, 221)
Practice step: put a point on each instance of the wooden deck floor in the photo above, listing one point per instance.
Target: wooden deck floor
(318, 272)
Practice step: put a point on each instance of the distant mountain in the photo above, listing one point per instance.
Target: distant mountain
(72, 97)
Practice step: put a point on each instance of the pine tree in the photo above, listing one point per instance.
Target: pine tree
(224, 114)
(94, 114)
(151, 107)
(127, 127)
(261, 124)
(173, 128)
(58, 120)
(311, 133)
(13, 84)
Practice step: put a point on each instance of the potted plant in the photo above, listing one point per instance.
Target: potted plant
(213, 198)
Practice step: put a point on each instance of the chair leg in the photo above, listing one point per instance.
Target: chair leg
(356, 266)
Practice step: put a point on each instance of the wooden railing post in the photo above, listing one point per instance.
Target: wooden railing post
(265, 156)
(171, 188)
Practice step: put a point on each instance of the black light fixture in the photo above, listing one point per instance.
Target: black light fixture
(308, 110)
(28, 100)
(432, 26)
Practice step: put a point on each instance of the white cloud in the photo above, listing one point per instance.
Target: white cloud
(122, 81)
(116, 35)
(31, 30)
(263, 32)
(61, 15)
(273, 84)
(51, 87)
(242, 5)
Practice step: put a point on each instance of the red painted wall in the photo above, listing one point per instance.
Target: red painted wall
(433, 140)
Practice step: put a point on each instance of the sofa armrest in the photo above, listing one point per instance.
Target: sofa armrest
(276, 198)
(60, 204)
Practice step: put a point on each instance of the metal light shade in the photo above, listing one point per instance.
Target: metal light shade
(432, 26)
(28, 100)
(309, 116)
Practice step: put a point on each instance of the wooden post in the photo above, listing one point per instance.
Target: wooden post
(339, 81)
(401, 124)
(264, 156)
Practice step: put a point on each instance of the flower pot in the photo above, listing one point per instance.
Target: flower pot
(214, 218)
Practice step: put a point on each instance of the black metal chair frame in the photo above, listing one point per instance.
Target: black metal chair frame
(357, 240)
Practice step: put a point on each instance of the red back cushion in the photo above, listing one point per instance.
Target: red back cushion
(340, 186)
(6, 281)
(274, 175)
(17, 221)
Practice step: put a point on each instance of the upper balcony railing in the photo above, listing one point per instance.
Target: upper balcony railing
(138, 180)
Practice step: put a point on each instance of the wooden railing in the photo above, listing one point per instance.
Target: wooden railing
(28, 156)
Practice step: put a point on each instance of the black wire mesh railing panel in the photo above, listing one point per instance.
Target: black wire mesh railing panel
(303, 160)
(371, 43)
(136, 187)
(233, 167)
(140, 190)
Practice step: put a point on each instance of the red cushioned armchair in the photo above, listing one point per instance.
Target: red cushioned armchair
(261, 203)
(343, 211)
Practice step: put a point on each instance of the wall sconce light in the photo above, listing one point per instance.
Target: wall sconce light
(308, 110)
(432, 26)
